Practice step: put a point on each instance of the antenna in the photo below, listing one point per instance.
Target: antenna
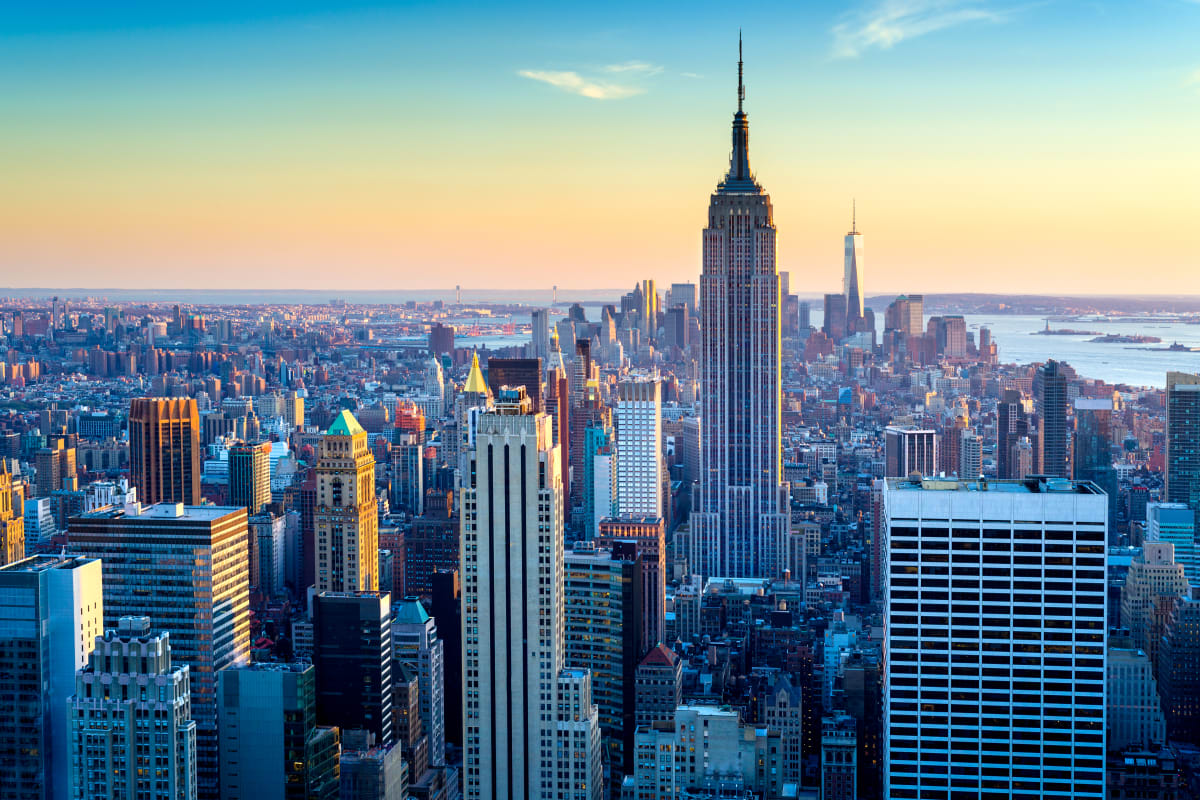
(741, 86)
(854, 215)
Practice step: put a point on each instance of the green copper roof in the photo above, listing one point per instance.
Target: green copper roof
(410, 612)
(345, 425)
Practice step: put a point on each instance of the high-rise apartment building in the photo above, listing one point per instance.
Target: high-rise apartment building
(51, 611)
(1052, 416)
(271, 746)
(132, 733)
(1182, 480)
(55, 467)
(512, 599)
(577, 758)
(352, 652)
(908, 450)
(658, 686)
(839, 757)
(1176, 523)
(741, 517)
(346, 518)
(638, 422)
(995, 656)
(187, 568)
(970, 456)
(250, 476)
(164, 449)
(1012, 425)
(602, 623)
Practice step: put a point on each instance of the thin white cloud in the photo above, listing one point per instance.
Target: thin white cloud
(889, 22)
(575, 83)
(639, 67)
(690, 75)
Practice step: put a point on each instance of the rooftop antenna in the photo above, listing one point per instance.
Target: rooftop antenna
(741, 86)
(854, 215)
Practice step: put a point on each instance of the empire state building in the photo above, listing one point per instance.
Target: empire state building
(742, 514)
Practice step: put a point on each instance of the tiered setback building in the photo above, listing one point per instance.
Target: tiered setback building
(995, 656)
(346, 519)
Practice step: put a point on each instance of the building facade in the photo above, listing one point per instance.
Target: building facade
(346, 519)
(164, 449)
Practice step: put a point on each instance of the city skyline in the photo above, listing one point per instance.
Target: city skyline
(235, 143)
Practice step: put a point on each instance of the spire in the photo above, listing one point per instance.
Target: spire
(741, 86)
(853, 216)
(739, 179)
(475, 382)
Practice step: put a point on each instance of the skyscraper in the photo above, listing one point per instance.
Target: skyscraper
(1176, 523)
(638, 421)
(741, 517)
(1009, 650)
(1183, 440)
(415, 642)
(1052, 410)
(346, 520)
(512, 599)
(852, 282)
(1011, 425)
(164, 449)
(1092, 447)
(51, 611)
(603, 621)
(271, 745)
(352, 651)
(540, 334)
(515, 372)
(250, 475)
(908, 450)
(132, 709)
(187, 568)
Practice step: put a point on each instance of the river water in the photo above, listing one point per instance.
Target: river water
(1018, 342)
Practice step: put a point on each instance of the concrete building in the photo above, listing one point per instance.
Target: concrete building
(783, 711)
(839, 753)
(51, 611)
(1176, 523)
(1135, 715)
(1153, 576)
(908, 450)
(271, 746)
(185, 567)
(1040, 585)
(374, 773)
(132, 710)
(658, 686)
(250, 476)
(415, 642)
(512, 598)
(346, 520)
(577, 758)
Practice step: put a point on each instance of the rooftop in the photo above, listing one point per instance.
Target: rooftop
(345, 425)
(1034, 484)
(43, 563)
(157, 511)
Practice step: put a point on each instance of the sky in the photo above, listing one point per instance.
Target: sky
(1047, 146)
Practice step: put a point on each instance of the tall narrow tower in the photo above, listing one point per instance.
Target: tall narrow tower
(852, 283)
(742, 517)
(346, 519)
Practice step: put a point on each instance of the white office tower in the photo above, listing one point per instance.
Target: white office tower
(995, 657)
(970, 456)
(581, 773)
(415, 642)
(638, 420)
(512, 600)
(51, 611)
(132, 733)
